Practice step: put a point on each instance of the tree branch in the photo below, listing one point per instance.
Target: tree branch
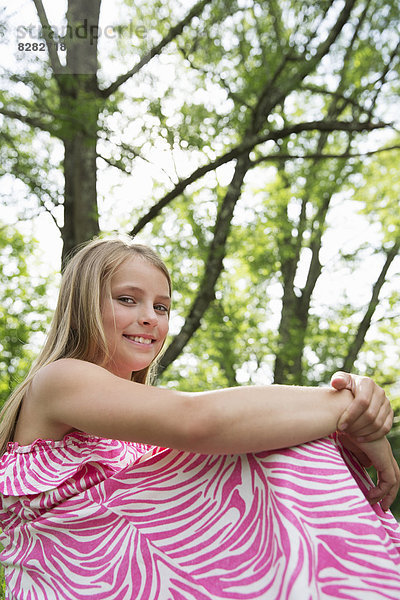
(363, 327)
(244, 147)
(338, 95)
(122, 163)
(233, 95)
(324, 47)
(385, 72)
(46, 28)
(277, 24)
(32, 121)
(212, 268)
(173, 33)
(310, 87)
(115, 163)
(275, 91)
(320, 155)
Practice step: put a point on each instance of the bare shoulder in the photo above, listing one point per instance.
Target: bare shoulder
(66, 371)
(48, 388)
(61, 389)
(68, 377)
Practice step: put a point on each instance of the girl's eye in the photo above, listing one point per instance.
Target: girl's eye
(126, 300)
(161, 308)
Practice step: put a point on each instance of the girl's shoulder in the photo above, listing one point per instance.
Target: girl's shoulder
(33, 420)
(63, 369)
(67, 376)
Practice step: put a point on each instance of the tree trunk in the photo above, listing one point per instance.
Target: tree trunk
(80, 200)
(79, 100)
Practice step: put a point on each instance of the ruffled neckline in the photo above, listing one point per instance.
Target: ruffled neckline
(73, 437)
(44, 464)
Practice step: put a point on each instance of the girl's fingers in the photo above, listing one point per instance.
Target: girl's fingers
(385, 493)
(364, 398)
(370, 428)
(370, 412)
(381, 456)
(388, 486)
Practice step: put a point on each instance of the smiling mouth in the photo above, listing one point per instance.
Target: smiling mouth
(139, 339)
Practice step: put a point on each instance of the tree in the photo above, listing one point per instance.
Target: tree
(297, 86)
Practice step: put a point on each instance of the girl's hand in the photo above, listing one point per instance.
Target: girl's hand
(370, 416)
(348, 443)
(378, 454)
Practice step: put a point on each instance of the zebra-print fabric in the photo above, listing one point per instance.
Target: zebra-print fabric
(88, 518)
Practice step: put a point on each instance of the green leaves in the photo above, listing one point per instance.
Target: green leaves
(378, 193)
(23, 314)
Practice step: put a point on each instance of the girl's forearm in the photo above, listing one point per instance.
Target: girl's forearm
(252, 419)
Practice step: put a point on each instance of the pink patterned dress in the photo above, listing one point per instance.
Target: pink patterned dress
(90, 518)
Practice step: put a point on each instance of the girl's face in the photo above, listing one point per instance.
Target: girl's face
(135, 319)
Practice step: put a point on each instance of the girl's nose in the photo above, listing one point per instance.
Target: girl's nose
(148, 316)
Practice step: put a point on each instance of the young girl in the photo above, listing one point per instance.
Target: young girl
(111, 489)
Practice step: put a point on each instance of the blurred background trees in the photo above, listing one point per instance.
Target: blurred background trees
(254, 144)
(23, 312)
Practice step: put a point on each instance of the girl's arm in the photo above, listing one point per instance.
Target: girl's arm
(72, 394)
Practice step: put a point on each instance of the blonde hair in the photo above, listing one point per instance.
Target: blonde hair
(77, 330)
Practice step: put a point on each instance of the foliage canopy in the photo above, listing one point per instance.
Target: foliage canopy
(236, 137)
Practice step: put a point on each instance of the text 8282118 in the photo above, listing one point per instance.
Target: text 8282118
(38, 46)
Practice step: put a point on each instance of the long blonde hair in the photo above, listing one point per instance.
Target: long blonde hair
(77, 330)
